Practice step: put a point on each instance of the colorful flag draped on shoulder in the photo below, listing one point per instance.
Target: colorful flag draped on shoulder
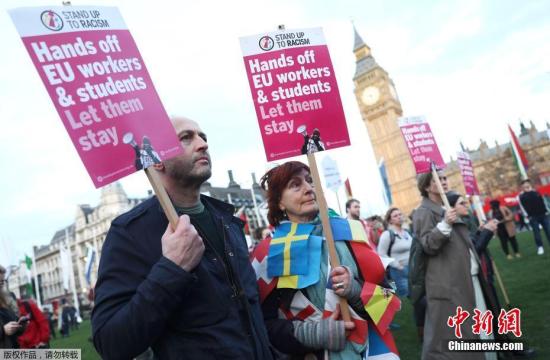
(348, 230)
(300, 309)
(288, 250)
(360, 333)
(381, 304)
(381, 347)
(258, 259)
(369, 262)
(313, 255)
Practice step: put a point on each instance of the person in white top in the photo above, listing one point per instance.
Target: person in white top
(395, 243)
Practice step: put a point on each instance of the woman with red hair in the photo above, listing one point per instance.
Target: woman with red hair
(303, 319)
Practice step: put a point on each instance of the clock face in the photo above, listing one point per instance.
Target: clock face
(370, 95)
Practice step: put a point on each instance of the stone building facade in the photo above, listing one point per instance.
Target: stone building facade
(88, 231)
(495, 168)
(90, 227)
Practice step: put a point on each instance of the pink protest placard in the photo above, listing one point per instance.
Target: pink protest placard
(421, 143)
(467, 171)
(94, 73)
(295, 92)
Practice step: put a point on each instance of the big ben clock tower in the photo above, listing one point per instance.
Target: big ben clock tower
(380, 109)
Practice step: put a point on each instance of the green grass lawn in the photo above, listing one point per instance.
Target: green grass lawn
(78, 340)
(527, 281)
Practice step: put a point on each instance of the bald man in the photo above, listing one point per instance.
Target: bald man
(186, 294)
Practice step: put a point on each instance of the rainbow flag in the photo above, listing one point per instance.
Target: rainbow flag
(288, 250)
(381, 304)
(519, 155)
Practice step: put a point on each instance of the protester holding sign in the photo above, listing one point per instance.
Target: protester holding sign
(458, 269)
(450, 271)
(188, 293)
(298, 289)
(426, 219)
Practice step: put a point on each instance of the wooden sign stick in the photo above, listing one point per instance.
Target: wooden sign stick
(327, 230)
(163, 197)
(435, 176)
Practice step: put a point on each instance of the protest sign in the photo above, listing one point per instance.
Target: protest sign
(332, 174)
(467, 171)
(421, 143)
(97, 80)
(295, 92)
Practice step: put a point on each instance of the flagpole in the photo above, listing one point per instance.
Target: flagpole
(327, 230)
(35, 275)
(94, 241)
(338, 200)
(71, 272)
(256, 211)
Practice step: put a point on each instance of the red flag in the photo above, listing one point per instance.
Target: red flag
(519, 155)
(241, 214)
(348, 189)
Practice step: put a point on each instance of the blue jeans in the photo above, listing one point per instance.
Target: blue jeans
(401, 278)
(543, 220)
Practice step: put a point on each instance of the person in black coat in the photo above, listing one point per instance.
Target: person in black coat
(11, 326)
(188, 292)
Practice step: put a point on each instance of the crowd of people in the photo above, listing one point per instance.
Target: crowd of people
(24, 325)
(197, 291)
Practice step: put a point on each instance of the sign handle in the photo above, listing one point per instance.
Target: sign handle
(501, 284)
(479, 210)
(481, 217)
(327, 230)
(435, 176)
(338, 200)
(162, 196)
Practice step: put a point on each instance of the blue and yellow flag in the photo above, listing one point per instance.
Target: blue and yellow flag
(314, 245)
(347, 230)
(288, 250)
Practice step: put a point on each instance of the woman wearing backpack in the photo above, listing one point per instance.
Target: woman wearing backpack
(395, 243)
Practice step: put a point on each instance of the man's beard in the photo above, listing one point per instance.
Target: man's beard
(182, 172)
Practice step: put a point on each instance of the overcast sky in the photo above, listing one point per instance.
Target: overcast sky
(469, 66)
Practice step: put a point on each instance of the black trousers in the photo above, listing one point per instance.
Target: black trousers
(505, 238)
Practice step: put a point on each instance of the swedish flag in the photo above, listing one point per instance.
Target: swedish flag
(314, 245)
(288, 250)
